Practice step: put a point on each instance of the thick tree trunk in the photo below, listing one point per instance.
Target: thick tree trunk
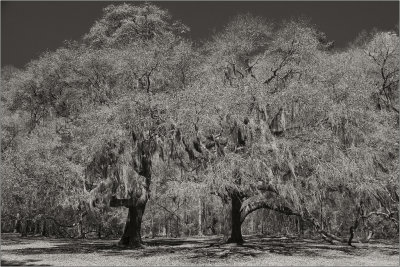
(226, 225)
(132, 232)
(236, 232)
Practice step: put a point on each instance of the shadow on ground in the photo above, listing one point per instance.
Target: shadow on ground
(28, 262)
(198, 249)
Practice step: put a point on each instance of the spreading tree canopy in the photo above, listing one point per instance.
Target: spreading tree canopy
(262, 116)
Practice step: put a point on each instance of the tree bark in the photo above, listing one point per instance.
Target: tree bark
(81, 233)
(178, 232)
(132, 232)
(369, 236)
(236, 231)
(99, 231)
(18, 226)
(351, 236)
(352, 228)
(200, 232)
(262, 222)
(24, 228)
(39, 228)
(152, 226)
(300, 223)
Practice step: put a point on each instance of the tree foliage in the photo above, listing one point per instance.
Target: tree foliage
(261, 116)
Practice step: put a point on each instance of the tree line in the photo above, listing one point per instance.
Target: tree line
(263, 128)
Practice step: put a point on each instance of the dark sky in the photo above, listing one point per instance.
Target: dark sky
(30, 28)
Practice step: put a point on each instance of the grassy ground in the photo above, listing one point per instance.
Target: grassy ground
(257, 251)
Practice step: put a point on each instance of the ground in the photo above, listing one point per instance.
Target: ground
(257, 251)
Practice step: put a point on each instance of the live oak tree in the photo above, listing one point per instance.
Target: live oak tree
(302, 158)
(237, 110)
(130, 133)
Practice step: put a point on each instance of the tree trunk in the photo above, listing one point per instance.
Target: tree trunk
(166, 226)
(226, 225)
(213, 225)
(300, 226)
(24, 228)
(178, 234)
(28, 227)
(262, 226)
(352, 229)
(81, 233)
(44, 229)
(369, 236)
(18, 226)
(170, 227)
(152, 226)
(131, 236)
(236, 231)
(50, 228)
(252, 225)
(161, 228)
(200, 232)
(351, 236)
(37, 227)
(99, 231)
(321, 215)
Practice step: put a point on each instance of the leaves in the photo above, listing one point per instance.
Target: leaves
(137, 111)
